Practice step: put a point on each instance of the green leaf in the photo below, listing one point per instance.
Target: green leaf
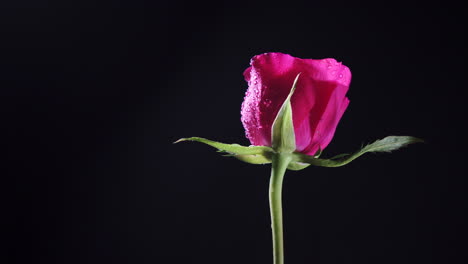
(251, 154)
(387, 144)
(282, 132)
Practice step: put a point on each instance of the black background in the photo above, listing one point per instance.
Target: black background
(94, 94)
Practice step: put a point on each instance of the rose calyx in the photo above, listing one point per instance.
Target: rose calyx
(283, 141)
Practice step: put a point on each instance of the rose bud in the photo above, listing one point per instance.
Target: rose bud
(318, 103)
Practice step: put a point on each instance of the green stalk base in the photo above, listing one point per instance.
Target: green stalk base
(279, 165)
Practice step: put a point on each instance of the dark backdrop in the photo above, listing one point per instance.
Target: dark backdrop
(94, 94)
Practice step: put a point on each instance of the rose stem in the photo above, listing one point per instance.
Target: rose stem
(279, 165)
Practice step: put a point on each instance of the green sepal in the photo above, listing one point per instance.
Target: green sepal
(387, 144)
(283, 139)
(296, 166)
(250, 154)
(264, 158)
(318, 153)
(342, 155)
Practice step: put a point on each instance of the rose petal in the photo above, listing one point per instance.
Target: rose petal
(268, 79)
(324, 124)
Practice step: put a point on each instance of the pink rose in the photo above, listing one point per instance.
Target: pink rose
(317, 104)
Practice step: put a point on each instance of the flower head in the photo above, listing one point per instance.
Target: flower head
(317, 104)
